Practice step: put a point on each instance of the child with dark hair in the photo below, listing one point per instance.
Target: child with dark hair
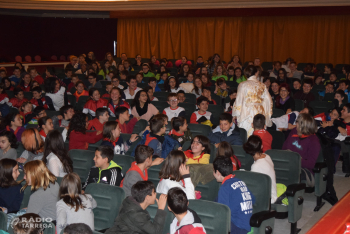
(45, 126)
(4, 101)
(56, 92)
(224, 149)
(262, 162)
(207, 93)
(38, 100)
(221, 89)
(73, 82)
(202, 115)
(171, 85)
(175, 173)
(259, 126)
(186, 220)
(155, 138)
(80, 90)
(38, 113)
(116, 101)
(74, 206)
(142, 107)
(152, 82)
(123, 118)
(179, 131)
(108, 90)
(138, 170)
(26, 112)
(199, 152)
(78, 137)
(14, 124)
(132, 89)
(150, 93)
(8, 145)
(235, 194)
(63, 120)
(181, 96)
(105, 171)
(174, 110)
(98, 122)
(226, 131)
(95, 102)
(305, 95)
(339, 99)
(19, 99)
(139, 221)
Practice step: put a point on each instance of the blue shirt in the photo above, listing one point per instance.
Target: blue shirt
(15, 79)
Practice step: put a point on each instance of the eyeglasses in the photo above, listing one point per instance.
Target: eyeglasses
(174, 100)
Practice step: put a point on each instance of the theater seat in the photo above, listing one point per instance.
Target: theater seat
(277, 113)
(124, 161)
(153, 174)
(189, 109)
(321, 106)
(3, 221)
(199, 129)
(51, 113)
(27, 192)
(28, 95)
(82, 162)
(278, 139)
(160, 105)
(161, 94)
(209, 191)
(109, 199)
(140, 126)
(246, 159)
(287, 166)
(31, 126)
(243, 134)
(19, 149)
(215, 110)
(299, 104)
(191, 98)
(81, 102)
(72, 99)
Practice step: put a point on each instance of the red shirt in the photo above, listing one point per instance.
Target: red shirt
(106, 95)
(39, 79)
(129, 127)
(95, 124)
(265, 137)
(17, 103)
(77, 95)
(78, 140)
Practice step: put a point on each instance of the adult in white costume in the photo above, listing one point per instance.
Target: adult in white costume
(252, 98)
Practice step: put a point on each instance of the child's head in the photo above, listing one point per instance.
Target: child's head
(307, 110)
(122, 113)
(232, 94)
(94, 94)
(335, 114)
(200, 144)
(70, 189)
(172, 100)
(164, 76)
(34, 84)
(177, 201)
(333, 77)
(67, 112)
(206, 92)
(204, 78)
(18, 93)
(37, 175)
(225, 122)
(103, 156)
(230, 71)
(190, 77)
(259, 122)
(343, 85)
(68, 72)
(109, 87)
(143, 154)
(171, 166)
(330, 87)
(26, 78)
(8, 172)
(131, 81)
(307, 86)
(145, 68)
(123, 75)
(339, 95)
(141, 97)
(222, 168)
(150, 92)
(163, 116)
(152, 81)
(26, 107)
(39, 111)
(115, 81)
(296, 84)
(46, 124)
(202, 103)
(7, 140)
(79, 85)
(221, 83)
(181, 96)
(13, 120)
(92, 78)
(157, 125)
(253, 145)
(115, 94)
(37, 91)
(144, 192)
(78, 123)
(111, 130)
(179, 124)
(102, 114)
(75, 79)
(224, 149)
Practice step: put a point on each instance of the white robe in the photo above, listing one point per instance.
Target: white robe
(252, 98)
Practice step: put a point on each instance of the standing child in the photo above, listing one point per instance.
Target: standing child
(98, 122)
(199, 152)
(174, 110)
(74, 206)
(80, 91)
(180, 131)
(202, 115)
(105, 171)
(8, 145)
(19, 99)
(138, 170)
(95, 102)
(259, 130)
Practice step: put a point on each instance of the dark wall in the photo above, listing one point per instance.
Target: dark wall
(55, 36)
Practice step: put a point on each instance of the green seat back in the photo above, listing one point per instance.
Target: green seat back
(140, 126)
(277, 113)
(129, 101)
(209, 191)
(161, 94)
(27, 192)
(299, 104)
(124, 161)
(243, 134)
(126, 137)
(51, 113)
(267, 66)
(142, 85)
(258, 184)
(94, 146)
(189, 109)
(112, 118)
(278, 139)
(329, 97)
(287, 166)
(321, 106)
(19, 149)
(191, 98)
(301, 66)
(104, 82)
(216, 98)
(81, 102)
(81, 76)
(160, 105)
(28, 95)
(153, 173)
(82, 162)
(199, 129)
(109, 199)
(72, 100)
(10, 94)
(320, 66)
(31, 126)
(245, 159)
(59, 180)
(3, 221)
(215, 110)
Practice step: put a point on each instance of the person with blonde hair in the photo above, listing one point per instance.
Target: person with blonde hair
(73, 206)
(44, 188)
(33, 144)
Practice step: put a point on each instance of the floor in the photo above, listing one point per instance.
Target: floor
(309, 217)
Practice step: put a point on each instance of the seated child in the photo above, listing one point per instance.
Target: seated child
(4, 101)
(174, 110)
(175, 173)
(115, 83)
(19, 99)
(179, 130)
(45, 126)
(133, 214)
(94, 102)
(259, 130)
(221, 89)
(13, 123)
(63, 120)
(328, 123)
(35, 76)
(116, 101)
(224, 149)
(232, 94)
(80, 91)
(98, 122)
(202, 115)
(73, 83)
(287, 122)
(185, 218)
(235, 197)
(150, 93)
(163, 77)
(262, 162)
(207, 93)
(105, 171)
(152, 82)
(199, 152)
(108, 89)
(225, 132)
(8, 145)
(138, 170)
(181, 96)
(39, 100)
(339, 99)
(122, 116)
(123, 75)
(38, 113)
(26, 112)
(68, 76)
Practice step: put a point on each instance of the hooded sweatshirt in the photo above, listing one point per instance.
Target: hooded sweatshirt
(231, 136)
(190, 224)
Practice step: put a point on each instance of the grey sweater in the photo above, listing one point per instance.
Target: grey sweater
(43, 202)
(67, 215)
(11, 153)
(131, 178)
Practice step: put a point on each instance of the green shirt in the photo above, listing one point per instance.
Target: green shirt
(217, 77)
(102, 73)
(241, 79)
(158, 76)
(148, 74)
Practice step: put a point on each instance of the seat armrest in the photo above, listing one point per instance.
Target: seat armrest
(319, 166)
(258, 218)
(293, 188)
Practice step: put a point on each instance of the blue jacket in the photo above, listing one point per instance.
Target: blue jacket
(235, 194)
(11, 198)
(231, 136)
